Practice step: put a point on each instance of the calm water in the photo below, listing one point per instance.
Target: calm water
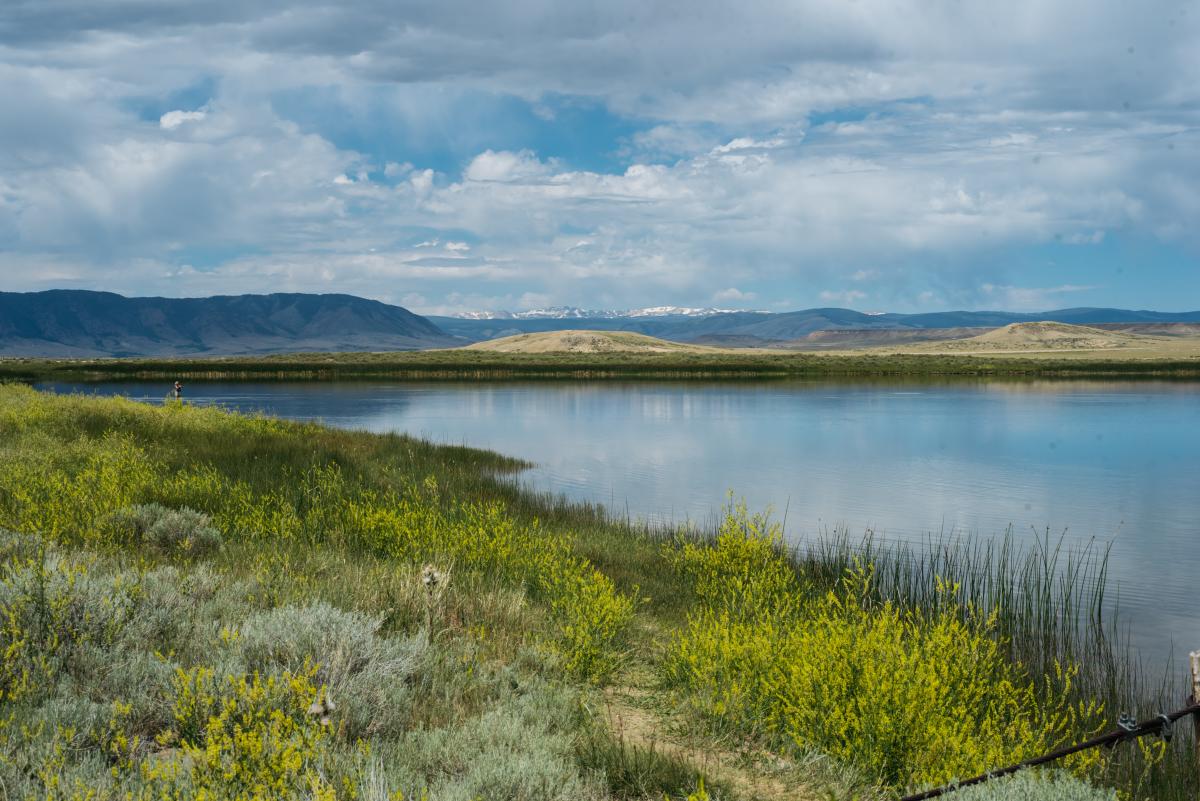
(1118, 462)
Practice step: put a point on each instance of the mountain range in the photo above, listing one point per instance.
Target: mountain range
(576, 313)
(757, 329)
(84, 324)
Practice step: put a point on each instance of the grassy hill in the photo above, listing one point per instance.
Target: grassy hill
(1045, 336)
(585, 342)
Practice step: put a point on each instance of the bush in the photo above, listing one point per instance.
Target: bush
(520, 749)
(43, 624)
(65, 623)
(168, 530)
(239, 737)
(367, 675)
(1034, 786)
(911, 698)
(48, 758)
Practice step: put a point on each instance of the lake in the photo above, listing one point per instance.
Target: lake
(1117, 462)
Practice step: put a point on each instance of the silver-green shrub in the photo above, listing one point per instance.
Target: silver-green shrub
(1032, 785)
(164, 528)
(367, 675)
(522, 749)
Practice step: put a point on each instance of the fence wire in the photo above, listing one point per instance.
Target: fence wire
(1127, 729)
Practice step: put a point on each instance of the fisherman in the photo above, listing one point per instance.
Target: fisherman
(177, 391)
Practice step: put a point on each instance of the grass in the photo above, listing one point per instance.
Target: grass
(1050, 609)
(201, 604)
(484, 365)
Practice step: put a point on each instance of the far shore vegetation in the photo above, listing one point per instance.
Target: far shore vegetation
(463, 364)
(200, 604)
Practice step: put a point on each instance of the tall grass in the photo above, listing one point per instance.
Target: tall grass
(1052, 606)
(1049, 598)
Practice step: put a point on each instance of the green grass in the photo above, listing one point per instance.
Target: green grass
(1050, 607)
(302, 560)
(483, 365)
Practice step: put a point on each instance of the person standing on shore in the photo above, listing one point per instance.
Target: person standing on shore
(177, 391)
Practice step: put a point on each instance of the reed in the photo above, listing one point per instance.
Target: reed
(1053, 605)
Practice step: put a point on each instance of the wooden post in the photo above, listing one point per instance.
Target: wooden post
(1194, 659)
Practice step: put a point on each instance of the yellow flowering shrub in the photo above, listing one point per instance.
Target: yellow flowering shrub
(913, 698)
(64, 490)
(241, 738)
(39, 624)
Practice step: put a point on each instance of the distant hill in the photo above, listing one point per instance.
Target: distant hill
(839, 339)
(1048, 336)
(757, 329)
(81, 324)
(1155, 329)
(1056, 335)
(584, 342)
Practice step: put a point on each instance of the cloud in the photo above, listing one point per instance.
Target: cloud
(784, 146)
(743, 143)
(732, 295)
(505, 166)
(173, 119)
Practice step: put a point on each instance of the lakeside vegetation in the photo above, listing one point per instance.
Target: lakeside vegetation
(457, 364)
(198, 604)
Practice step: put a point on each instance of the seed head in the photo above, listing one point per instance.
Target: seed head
(431, 577)
(322, 707)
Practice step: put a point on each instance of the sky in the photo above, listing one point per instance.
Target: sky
(448, 156)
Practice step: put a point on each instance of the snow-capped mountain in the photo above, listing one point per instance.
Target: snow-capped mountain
(574, 313)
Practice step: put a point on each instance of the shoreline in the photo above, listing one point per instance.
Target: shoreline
(484, 366)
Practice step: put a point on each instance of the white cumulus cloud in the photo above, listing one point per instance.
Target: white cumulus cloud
(173, 119)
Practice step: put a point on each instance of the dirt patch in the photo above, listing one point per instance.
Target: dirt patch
(752, 775)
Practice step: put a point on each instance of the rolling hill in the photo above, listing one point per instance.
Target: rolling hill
(81, 324)
(1046, 336)
(763, 329)
(585, 342)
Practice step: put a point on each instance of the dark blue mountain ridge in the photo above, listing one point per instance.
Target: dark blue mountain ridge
(86, 324)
